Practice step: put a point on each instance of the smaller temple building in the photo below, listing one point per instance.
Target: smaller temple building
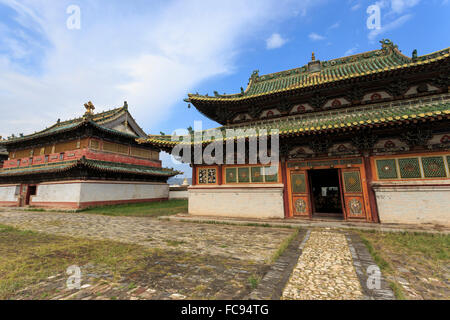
(89, 161)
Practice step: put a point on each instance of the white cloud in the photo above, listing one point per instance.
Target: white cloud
(373, 34)
(356, 7)
(315, 36)
(399, 6)
(150, 54)
(275, 41)
(351, 51)
(335, 25)
(393, 11)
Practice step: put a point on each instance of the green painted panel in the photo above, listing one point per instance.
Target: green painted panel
(270, 177)
(244, 174)
(298, 182)
(434, 167)
(352, 181)
(409, 168)
(257, 175)
(387, 169)
(231, 175)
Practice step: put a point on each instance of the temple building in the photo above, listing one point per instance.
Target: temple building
(3, 155)
(362, 138)
(89, 161)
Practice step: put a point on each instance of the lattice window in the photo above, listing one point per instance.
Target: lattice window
(433, 167)
(66, 146)
(257, 175)
(142, 153)
(244, 175)
(409, 168)
(94, 144)
(352, 181)
(298, 182)
(115, 147)
(207, 176)
(202, 176)
(123, 149)
(269, 176)
(231, 175)
(387, 169)
(212, 175)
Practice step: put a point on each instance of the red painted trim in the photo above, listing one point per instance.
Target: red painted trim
(9, 204)
(194, 175)
(220, 175)
(233, 187)
(78, 154)
(81, 205)
(372, 198)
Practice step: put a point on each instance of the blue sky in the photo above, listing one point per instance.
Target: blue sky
(152, 53)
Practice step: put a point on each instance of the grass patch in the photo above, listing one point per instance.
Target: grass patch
(28, 257)
(146, 209)
(283, 246)
(421, 251)
(253, 281)
(174, 243)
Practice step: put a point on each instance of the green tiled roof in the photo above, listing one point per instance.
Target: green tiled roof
(385, 59)
(420, 108)
(97, 119)
(44, 168)
(94, 164)
(130, 168)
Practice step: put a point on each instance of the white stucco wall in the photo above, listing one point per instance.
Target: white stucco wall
(91, 192)
(61, 192)
(79, 193)
(178, 194)
(251, 201)
(7, 193)
(414, 202)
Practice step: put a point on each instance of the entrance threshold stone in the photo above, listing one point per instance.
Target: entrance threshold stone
(307, 223)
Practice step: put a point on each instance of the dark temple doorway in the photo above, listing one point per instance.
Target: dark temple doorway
(326, 193)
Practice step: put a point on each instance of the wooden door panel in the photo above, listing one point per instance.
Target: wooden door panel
(299, 190)
(355, 206)
(301, 206)
(353, 193)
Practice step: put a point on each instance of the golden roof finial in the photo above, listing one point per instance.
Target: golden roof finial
(89, 108)
(313, 58)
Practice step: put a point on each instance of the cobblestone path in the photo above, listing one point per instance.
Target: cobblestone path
(325, 270)
(240, 242)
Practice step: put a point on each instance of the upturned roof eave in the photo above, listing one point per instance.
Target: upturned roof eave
(197, 100)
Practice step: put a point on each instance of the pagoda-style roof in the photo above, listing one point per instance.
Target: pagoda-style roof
(316, 72)
(319, 81)
(117, 121)
(377, 115)
(103, 166)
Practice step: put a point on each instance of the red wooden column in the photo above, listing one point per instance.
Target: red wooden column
(372, 198)
(285, 189)
(194, 175)
(219, 175)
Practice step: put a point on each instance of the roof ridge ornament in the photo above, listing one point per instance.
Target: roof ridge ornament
(89, 109)
(313, 57)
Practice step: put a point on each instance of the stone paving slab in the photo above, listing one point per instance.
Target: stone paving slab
(240, 242)
(324, 270)
(317, 223)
